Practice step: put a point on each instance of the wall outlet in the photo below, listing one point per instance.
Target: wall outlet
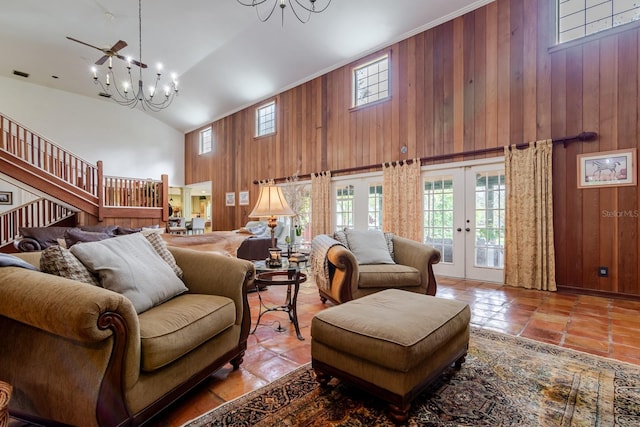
(603, 271)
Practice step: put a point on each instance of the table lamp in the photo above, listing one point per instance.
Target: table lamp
(271, 203)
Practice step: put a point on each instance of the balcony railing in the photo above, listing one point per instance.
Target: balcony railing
(132, 192)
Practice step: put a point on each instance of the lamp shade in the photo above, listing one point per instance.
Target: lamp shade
(271, 202)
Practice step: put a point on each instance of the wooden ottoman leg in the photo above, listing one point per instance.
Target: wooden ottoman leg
(322, 377)
(399, 414)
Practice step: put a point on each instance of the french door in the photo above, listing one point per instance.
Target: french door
(464, 219)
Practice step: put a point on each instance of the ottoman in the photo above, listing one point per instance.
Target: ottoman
(393, 344)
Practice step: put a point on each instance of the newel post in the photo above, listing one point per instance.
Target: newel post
(165, 197)
(100, 190)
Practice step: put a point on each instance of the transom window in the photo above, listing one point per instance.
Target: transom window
(266, 119)
(371, 81)
(204, 145)
(580, 18)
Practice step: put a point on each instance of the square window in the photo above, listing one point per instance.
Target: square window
(371, 81)
(204, 145)
(266, 119)
(580, 18)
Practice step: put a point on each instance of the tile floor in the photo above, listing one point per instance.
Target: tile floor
(601, 326)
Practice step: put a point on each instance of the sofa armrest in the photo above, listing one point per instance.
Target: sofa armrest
(344, 273)
(419, 256)
(60, 306)
(57, 326)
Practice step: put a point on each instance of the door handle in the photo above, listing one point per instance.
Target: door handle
(467, 229)
(458, 229)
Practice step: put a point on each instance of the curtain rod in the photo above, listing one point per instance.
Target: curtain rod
(582, 137)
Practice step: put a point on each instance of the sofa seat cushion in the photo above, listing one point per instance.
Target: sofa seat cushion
(388, 276)
(172, 329)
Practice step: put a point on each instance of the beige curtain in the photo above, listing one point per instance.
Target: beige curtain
(321, 203)
(402, 199)
(529, 251)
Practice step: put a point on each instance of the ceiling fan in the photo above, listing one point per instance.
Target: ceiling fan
(113, 51)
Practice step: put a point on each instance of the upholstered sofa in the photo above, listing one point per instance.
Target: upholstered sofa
(82, 355)
(341, 276)
(39, 238)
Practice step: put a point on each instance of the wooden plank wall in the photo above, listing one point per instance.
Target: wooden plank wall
(485, 79)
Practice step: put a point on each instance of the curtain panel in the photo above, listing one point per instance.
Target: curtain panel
(402, 199)
(529, 248)
(321, 203)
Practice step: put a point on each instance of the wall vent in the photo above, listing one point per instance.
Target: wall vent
(21, 73)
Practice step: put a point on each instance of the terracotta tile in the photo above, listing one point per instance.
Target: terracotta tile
(621, 331)
(238, 383)
(273, 368)
(547, 325)
(626, 353)
(552, 337)
(587, 344)
(578, 323)
(627, 340)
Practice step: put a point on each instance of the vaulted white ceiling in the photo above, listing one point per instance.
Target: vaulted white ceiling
(226, 59)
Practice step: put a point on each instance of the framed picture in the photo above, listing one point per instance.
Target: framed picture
(607, 169)
(243, 197)
(230, 199)
(6, 198)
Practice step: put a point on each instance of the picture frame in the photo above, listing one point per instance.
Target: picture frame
(6, 198)
(230, 199)
(607, 169)
(243, 198)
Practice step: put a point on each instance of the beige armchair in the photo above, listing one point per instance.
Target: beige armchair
(341, 278)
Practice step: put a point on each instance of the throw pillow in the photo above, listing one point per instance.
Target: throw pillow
(109, 229)
(369, 247)
(389, 238)
(7, 260)
(75, 235)
(121, 231)
(160, 246)
(61, 262)
(130, 266)
(341, 237)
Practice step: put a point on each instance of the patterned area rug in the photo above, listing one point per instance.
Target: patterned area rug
(505, 381)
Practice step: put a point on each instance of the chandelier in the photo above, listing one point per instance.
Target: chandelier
(302, 9)
(132, 92)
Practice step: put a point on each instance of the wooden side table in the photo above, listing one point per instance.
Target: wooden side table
(290, 277)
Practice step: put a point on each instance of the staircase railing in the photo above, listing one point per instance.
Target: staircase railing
(39, 213)
(38, 162)
(46, 156)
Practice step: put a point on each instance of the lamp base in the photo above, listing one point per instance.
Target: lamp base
(275, 258)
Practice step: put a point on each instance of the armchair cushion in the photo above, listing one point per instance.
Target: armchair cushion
(172, 329)
(369, 246)
(130, 266)
(388, 276)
